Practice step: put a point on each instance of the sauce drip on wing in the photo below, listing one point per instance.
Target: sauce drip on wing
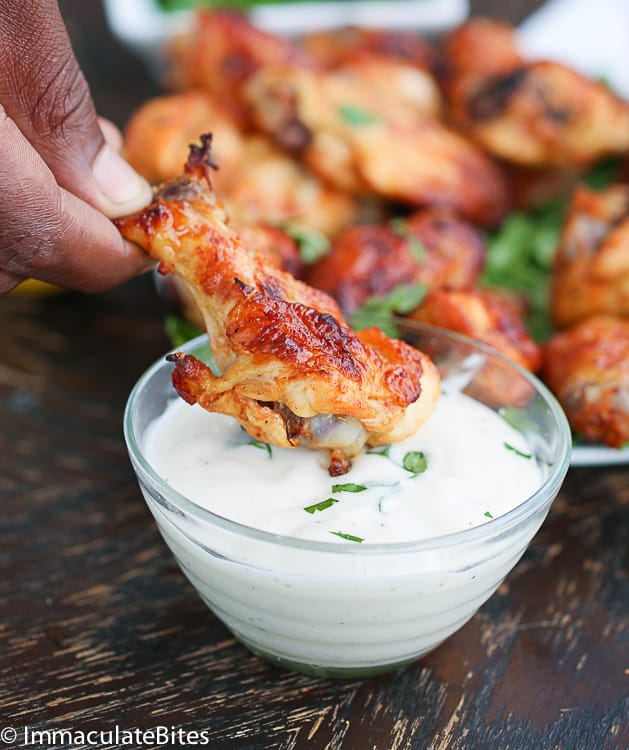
(291, 371)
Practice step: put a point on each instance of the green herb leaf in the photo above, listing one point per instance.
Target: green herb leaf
(179, 330)
(355, 116)
(349, 537)
(349, 487)
(400, 226)
(415, 461)
(384, 451)
(417, 249)
(379, 309)
(488, 514)
(321, 506)
(262, 446)
(509, 447)
(520, 253)
(313, 245)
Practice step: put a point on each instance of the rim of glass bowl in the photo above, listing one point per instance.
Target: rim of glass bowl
(491, 528)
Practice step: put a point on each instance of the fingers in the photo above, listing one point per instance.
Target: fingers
(46, 95)
(8, 282)
(111, 134)
(48, 233)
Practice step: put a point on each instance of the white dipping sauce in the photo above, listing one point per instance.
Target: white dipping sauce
(477, 468)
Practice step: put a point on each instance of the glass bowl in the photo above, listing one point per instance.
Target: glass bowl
(349, 610)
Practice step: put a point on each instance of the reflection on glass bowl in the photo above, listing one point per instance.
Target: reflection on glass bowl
(340, 610)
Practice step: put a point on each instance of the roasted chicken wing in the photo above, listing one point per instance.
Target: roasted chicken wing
(429, 247)
(222, 51)
(494, 317)
(291, 371)
(380, 138)
(335, 47)
(591, 268)
(258, 182)
(587, 366)
(535, 114)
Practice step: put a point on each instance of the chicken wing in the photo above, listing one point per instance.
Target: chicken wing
(291, 372)
(535, 114)
(222, 51)
(495, 318)
(587, 367)
(590, 273)
(382, 139)
(335, 47)
(258, 182)
(429, 247)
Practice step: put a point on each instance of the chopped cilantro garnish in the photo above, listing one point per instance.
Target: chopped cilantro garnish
(349, 487)
(417, 248)
(520, 253)
(379, 309)
(312, 244)
(509, 447)
(519, 258)
(400, 226)
(380, 451)
(262, 446)
(488, 514)
(349, 537)
(356, 116)
(321, 506)
(415, 461)
(179, 330)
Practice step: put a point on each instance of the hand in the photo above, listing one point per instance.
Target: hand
(61, 178)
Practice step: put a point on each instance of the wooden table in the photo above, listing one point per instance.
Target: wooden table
(99, 628)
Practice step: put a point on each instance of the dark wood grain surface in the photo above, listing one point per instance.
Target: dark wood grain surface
(99, 628)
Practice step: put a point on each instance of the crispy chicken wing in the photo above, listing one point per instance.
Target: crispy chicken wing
(497, 319)
(587, 366)
(334, 47)
(429, 247)
(494, 317)
(291, 371)
(257, 181)
(591, 268)
(222, 51)
(535, 114)
(381, 138)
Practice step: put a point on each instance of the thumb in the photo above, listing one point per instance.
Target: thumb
(46, 95)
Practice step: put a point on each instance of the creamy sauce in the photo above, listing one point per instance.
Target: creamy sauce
(465, 466)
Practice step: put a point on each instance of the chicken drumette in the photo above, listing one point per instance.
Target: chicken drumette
(536, 114)
(587, 367)
(591, 268)
(291, 371)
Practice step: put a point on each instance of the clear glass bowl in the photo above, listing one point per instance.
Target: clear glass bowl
(339, 610)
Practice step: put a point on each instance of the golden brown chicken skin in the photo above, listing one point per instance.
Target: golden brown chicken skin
(258, 182)
(494, 317)
(334, 47)
(364, 130)
(590, 273)
(220, 54)
(434, 248)
(292, 372)
(535, 114)
(587, 367)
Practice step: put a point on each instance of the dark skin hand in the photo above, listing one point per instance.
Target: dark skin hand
(61, 177)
